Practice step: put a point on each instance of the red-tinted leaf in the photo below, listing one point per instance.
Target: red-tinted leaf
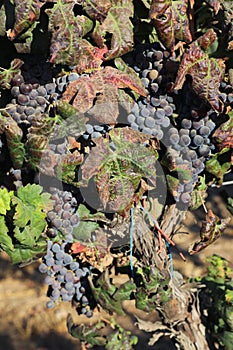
(206, 73)
(118, 24)
(26, 13)
(211, 230)
(223, 136)
(101, 89)
(77, 248)
(97, 9)
(89, 58)
(206, 40)
(67, 32)
(118, 172)
(171, 21)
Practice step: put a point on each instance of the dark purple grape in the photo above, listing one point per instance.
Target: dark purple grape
(41, 100)
(17, 80)
(25, 88)
(198, 140)
(186, 123)
(15, 91)
(23, 99)
(185, 197)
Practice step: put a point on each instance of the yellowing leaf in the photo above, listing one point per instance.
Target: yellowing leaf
(5, 200)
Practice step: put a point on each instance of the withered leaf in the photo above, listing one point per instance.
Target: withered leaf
(118, 171)
(26, 13)
(223, 136)
(171, 21)
(211, 230)
(206, 73)
(118, 24)
(98, 94)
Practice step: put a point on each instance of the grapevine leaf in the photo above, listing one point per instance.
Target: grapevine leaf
(97, 10)
(65, 169)
(6, 75)
(90, 57)
(211, 230)
(67, 32)
(27, 12)
(199, 194)
(23, 254)
(86, 334)
(218, 166)
(85, 228)
(5, 200)
(101, 88)
(13, 136)
(5, 239)
(206, 73)
(30, 210)
(124, 291)
(171, 21)
(223, 136)
(119, 25)
(118, 171)
(207, 39)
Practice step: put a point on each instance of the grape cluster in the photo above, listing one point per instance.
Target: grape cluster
(66, 277)
(189, 145)
(95, 131)
(152, 114)
(64, 216)
(32, 99)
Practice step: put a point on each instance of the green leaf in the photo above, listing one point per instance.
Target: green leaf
(217, 165)
(124, 291)
(198, 194)
(5, 200)
(23, 254)
(119, 25)
(14, 136)
(30, 213)
(5, 239)
(86, 334)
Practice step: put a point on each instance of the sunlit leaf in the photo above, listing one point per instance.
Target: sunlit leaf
(118, 24)
(211, 230)
(67, 32)
(5, 239)
(118, 171)
(5, 200)
(206, 73)
(101, 89)
(171, 21)
(97, 9)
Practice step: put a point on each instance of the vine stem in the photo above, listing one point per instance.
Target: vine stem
(162, 234)
(131, 228)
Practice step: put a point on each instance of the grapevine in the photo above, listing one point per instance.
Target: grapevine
(116, 119)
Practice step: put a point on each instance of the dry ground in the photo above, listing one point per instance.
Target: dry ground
(26, 323)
